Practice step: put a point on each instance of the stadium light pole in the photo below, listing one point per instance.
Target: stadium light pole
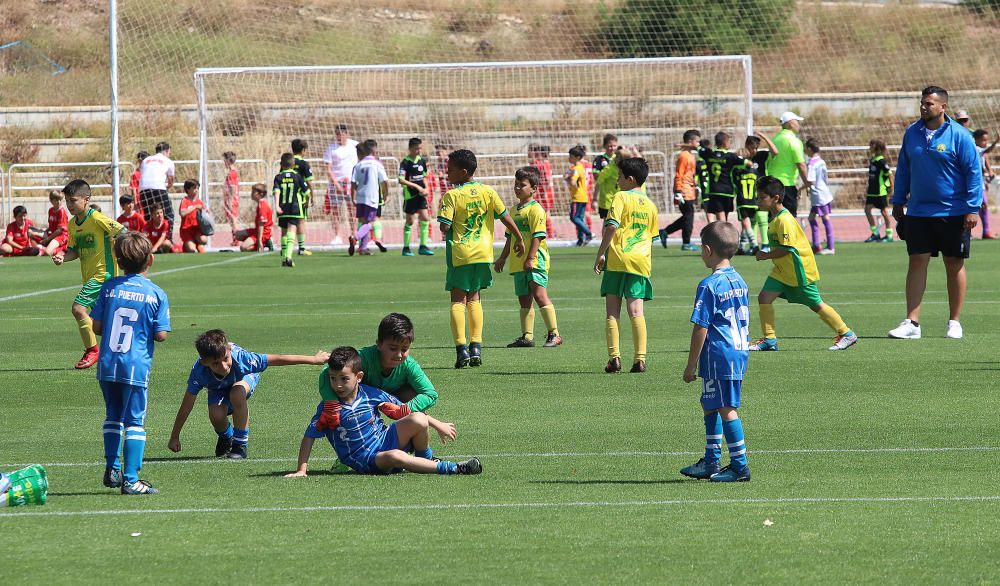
(113, 49)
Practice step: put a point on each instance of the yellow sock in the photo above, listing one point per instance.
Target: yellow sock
(549, 317)
(476, 322)
(87, 332)
(458, 323)
(831, 318)
(639, 337)
(767, 319)
(611, 332)
(528, 323)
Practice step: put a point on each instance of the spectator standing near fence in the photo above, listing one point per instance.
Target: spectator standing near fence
(156, 177)
(340, 158)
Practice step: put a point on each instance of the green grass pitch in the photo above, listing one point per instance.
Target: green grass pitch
(878, 464)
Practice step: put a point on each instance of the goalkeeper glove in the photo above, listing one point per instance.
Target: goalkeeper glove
(330, 417)
(393, 411)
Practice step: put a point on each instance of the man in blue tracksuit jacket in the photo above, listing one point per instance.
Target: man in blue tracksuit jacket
(940, 181)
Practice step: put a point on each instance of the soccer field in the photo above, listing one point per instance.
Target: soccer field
(878, 464)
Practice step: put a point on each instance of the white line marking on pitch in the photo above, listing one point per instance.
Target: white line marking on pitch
(473, 506)
(153, 274)
(916, 450)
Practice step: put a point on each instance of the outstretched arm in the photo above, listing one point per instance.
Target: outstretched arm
(289, 359)
(305, 450)
(187, 403)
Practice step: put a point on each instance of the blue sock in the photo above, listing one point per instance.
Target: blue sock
(112, 444)
(447, 467)
(240, 436)
(425, 453)
(734, 441)
(135, 446)
(228, 433)
(713, 438)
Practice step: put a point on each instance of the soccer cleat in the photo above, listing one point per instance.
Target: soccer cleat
(638, 366)
(237, 452)
(269, 245)
(954, 330)
(463, 358)
(701, 470)
(304, 252)
(407, 251)
(663, 238)
(690, 247)
(764, 345)
(138, 487)
(827, 252)
(905, 331)
(730, 474)
(816, 249)
(552, 340)
(475, 354)
(844, 342)
(112, 477)
(381, 247)
(222, 446)
(989, 236)
(90, 356)
(470, 466)
(874, 238)
(522, 342)
(741, 252)
(351, 243)
(765, 248)
(887, 239)
(425, 251)
(288, 263)
(614, 365)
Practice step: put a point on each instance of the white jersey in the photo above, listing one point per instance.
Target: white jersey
(819, 191)
(154, 172)
(342, 158)
(369, 174)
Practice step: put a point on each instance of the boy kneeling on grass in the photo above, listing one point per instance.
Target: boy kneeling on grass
(354, 427)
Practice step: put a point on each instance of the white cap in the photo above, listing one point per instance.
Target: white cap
(789, 116)
(961, 115)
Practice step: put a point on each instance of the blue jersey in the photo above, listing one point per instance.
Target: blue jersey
(362, 430)
(722, 306)
(131, 310)
(244, 363)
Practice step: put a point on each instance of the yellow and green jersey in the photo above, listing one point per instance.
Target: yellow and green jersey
(606, 169)
(93, 240)
(798, 268)
(469, 211)
(635, 217)
(578, 184)
(530, 220)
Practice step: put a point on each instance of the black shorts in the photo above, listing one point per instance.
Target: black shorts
(877, 201)
(603, 212)
(748, 213)
(946, 235)
(718, 204)
(415, 204)
(378, 212)
(286, 222)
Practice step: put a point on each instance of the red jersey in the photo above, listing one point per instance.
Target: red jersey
(134, 222)
(190, 220)
(58, 218)
(264, 218)
(19, 233)
(134, 181)
(545, 193)
(154, 232)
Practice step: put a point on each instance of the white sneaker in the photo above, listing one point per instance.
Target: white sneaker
(827, 252)
(844, 342)
(336, 241)
(954, 330)
(907, 331)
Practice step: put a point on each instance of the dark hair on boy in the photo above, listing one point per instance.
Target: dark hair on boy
(722, 237)
(752, 143)
(634, 167)
(464, 159)
(340, 128)
(163, 146)
(578, 151)
(690, 135)
(370, 145)
(933, 89)
(299, 145)
(812, 144)
(133, 250)
(361, 149)
(229, 157)
(608, 138)
(721, 138)
(212, 344)
(287, 160)
(440, 147)
(141, 156)
(258, 188)
(980, 133)
(124, 200)
(414, 142)
(18, 210)
(530, 174)
(95, 207)
(395, 326)
(344, 356)
(153, 208)
(191, 184)
(77, 187)
(770, 186)
(877, 146)
(704, 143)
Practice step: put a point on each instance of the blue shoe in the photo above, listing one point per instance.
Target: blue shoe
(407, 251)
(701, 470)
(874, 238)
(730, 474)
(425, 251)
(463, 357)
(764, 345)
(690, 248)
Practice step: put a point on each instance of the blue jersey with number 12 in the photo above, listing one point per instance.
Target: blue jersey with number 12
(722, 306)
(131, 310)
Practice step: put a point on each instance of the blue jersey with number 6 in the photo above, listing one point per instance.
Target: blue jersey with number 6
(131, 310)
(722, 306)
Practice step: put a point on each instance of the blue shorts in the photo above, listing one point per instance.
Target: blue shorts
(124, 403)
(716, 394)
(222, 397)
(361, 462)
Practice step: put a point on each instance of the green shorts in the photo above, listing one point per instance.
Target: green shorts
(523, 280)
(626, 285)
(807, 295)
(87, 296)
(471, 277)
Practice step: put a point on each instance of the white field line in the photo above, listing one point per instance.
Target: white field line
(514, 506)
(153, 274)
(291, 460)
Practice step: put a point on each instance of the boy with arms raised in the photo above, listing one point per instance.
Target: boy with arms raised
(467, 215)
(230, 374)
(719, 341)
(137, 313)
(795, 275)
(531, 269)
(626, 259)
(353, 425)
(413, 171)
(289, 193)
(90, 238)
